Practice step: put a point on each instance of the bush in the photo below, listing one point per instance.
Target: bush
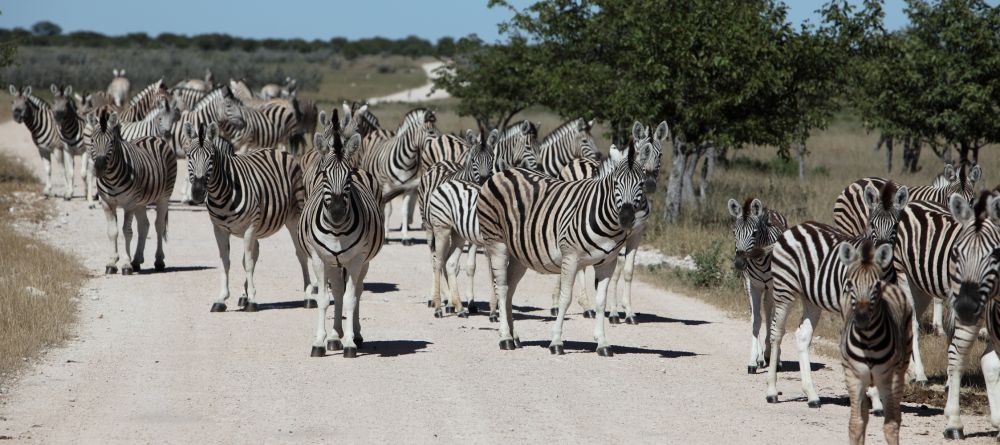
(708, 271)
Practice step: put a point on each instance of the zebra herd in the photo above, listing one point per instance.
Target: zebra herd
(892, 252)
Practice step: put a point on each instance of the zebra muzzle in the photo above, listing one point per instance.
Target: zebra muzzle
(740, 262)
(626, 216)
(198, 190)
(337, 208)
(100, 164)
(967, 303)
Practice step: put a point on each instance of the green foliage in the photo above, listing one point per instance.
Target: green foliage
(46, 29)
(708, 271)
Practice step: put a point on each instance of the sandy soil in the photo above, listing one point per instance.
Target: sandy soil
(150, 364)
(419, 94)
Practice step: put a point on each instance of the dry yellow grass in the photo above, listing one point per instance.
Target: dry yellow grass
(38, 283)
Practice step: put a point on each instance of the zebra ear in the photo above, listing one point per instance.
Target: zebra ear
(208, 75)
(960, 209)
(662, 131)
(68, 91)
(883, 256)
(55, 90)
(189, 131)
(492, 139)
(871, 196)
(319, 142)
(352, 146)
(78, 98)
(122, 73)
(13, 90)
(26, 90)
(114, 72)
(637, 130)
(92, 120)
(756, 208)
(590, 124)
(902, 196)
(846, 253)
(113, 120)
(993, 208)
(734, 208)
(949, 172)
(975, 174)
(363, 108)
(323, 122)
(470, 138)
(213, 131)
(346, 107)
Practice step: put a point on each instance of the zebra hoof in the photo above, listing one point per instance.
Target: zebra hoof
(334, 345)
(110, 270)
(449, 309)
(507, 345)
(772, 399)
(605, 351)
(954, 434)
(631, 320)
(589, 314)
(350, 352)
(242, 302)
(159, 266)
(250, 307)
(878, 413)
(430, 303)
(494, 317)
(473, 309)
(310, 304)
(555, 311)
(359, 341)
(219, 307)
(813, 403)
(556, 349)
(751, 369)
(614, 319)
(136, 266)
(317, 351)
(127, 270)
(67, 198)
(438, 313)
(517, 342)
(463, 314)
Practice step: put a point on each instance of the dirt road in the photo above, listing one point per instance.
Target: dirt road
(422, 93)
(150, 364)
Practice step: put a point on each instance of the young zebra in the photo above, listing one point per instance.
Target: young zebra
(876, 341)
(568, 141)
(75, 137)
(119, 87)
(951, 254)
(35, 114)
(554, 226)
(251, 196)
(131, 175)
(395, 162)
(756, 229)
(341, 227)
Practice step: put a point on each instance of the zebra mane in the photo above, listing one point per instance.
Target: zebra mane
(38, 102)
(145, 93)
(515, 129)
(566, 128)
(412, 118)
(888, 195)
(981, 208)
(866, 253)
(369, 118)
(746, 205)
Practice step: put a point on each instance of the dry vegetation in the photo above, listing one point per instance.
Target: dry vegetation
(38, 285)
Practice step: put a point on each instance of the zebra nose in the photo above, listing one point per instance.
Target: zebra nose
(967, 305)
(626, 216)
(740, 262)
(100, 163)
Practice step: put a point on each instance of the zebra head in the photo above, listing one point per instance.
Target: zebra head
(583, 140)
(862, 286)
(883, 211)
(961, 180)
(974, 256)
(479, 157)
(200, 148)
(749, 229)
(21, 107)
(233, 112)
(63, 103)
(105, 138)
(629, 196)
(335, 171)
(515, 147)
(651, 166)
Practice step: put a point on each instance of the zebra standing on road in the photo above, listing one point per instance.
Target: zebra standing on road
(72, 131)
(530, 220)
(131, 175)
(249, 196)
(395, 162)
(342, 229)
(119, 87)
(568, 141)
(756, 229)
(876, 341)
(951, 254)
(35, 114)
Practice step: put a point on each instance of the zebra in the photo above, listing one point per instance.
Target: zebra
(951, 253)
(756, 229)
(264, 127)
(35, 114)
(131, 175)
(568, 141)
(205, 84)
(249, 196)
(342, 229)
(274, 91)
(119, 87)
(72, 131)
(875, 341)
(185, 98)
(554, 226)
(95, 100)
(395, 161)
(586, 168)
(144, 102)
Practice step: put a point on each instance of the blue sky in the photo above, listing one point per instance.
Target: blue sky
(430, 19)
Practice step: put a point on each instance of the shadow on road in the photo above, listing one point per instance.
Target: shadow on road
(919, 411)
(579, 346)
(393, 348)
(172, 269)
(378, 288)
(793, 366)
(294, 304)
(653, 318)
(415, 241)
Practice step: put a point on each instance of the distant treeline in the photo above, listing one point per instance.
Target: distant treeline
(50, 34)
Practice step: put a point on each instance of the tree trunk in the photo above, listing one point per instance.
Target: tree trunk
(911, 154)
(675, 183)
(975, 153)
(689, 167)
(707, 168)
(888, 152)
(800, 150)
(963, 152)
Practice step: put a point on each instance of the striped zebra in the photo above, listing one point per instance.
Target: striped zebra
(249, 196)
(185, 98)
(876, 341)
(158, 123)
(568, 141)
(205, 84)
(268, 126)
(72, 131)
(119, 87)
(951, 254)
(131, 175)
(365, 123)
(990, 361)
(35, 114)
(554, 226)
(93, 101)
(342, 229)
(583, 168)
(756, 229)
(144, 102)
(395, 162)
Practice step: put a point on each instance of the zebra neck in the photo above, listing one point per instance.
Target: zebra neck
(34, 121)
(220, 184)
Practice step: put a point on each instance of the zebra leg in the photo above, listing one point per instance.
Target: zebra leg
(355, 273)
(388, 213)
(186, 197)
(580, 290)
(602, 275)
(891, 384)
(162, 213)
(222, 241)
(321, 343)
(111, 214)
(803, 339)
(409, 207)
(756, 355)
(555, 299)
(442, 248)
(991, 373)
(958, 352)
(337, 276)
(454, 257)
(570, 264)
(768, 316)
(142, 226)
(918, 301)
(858, 421)
(250, 247)
(125, 263)
(358, 289)
(615, 304)
(470, 273)
(87, 172)
(938, 319)
(68, 171)
(292, 224)
(515, 271)
(408, 203)
(47, 168)
(497, 253)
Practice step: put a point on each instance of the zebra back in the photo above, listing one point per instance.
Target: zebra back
(962, 180)
(804, 264)
(184, 99)
(265, 127)
(570, 140)
(144, 102)
(870, 207)
(395, 161)
(441, 148)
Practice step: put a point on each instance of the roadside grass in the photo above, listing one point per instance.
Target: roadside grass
(837, 157)
(38, 283)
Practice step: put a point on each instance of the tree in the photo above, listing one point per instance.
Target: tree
(493, 82)
(46, 29)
